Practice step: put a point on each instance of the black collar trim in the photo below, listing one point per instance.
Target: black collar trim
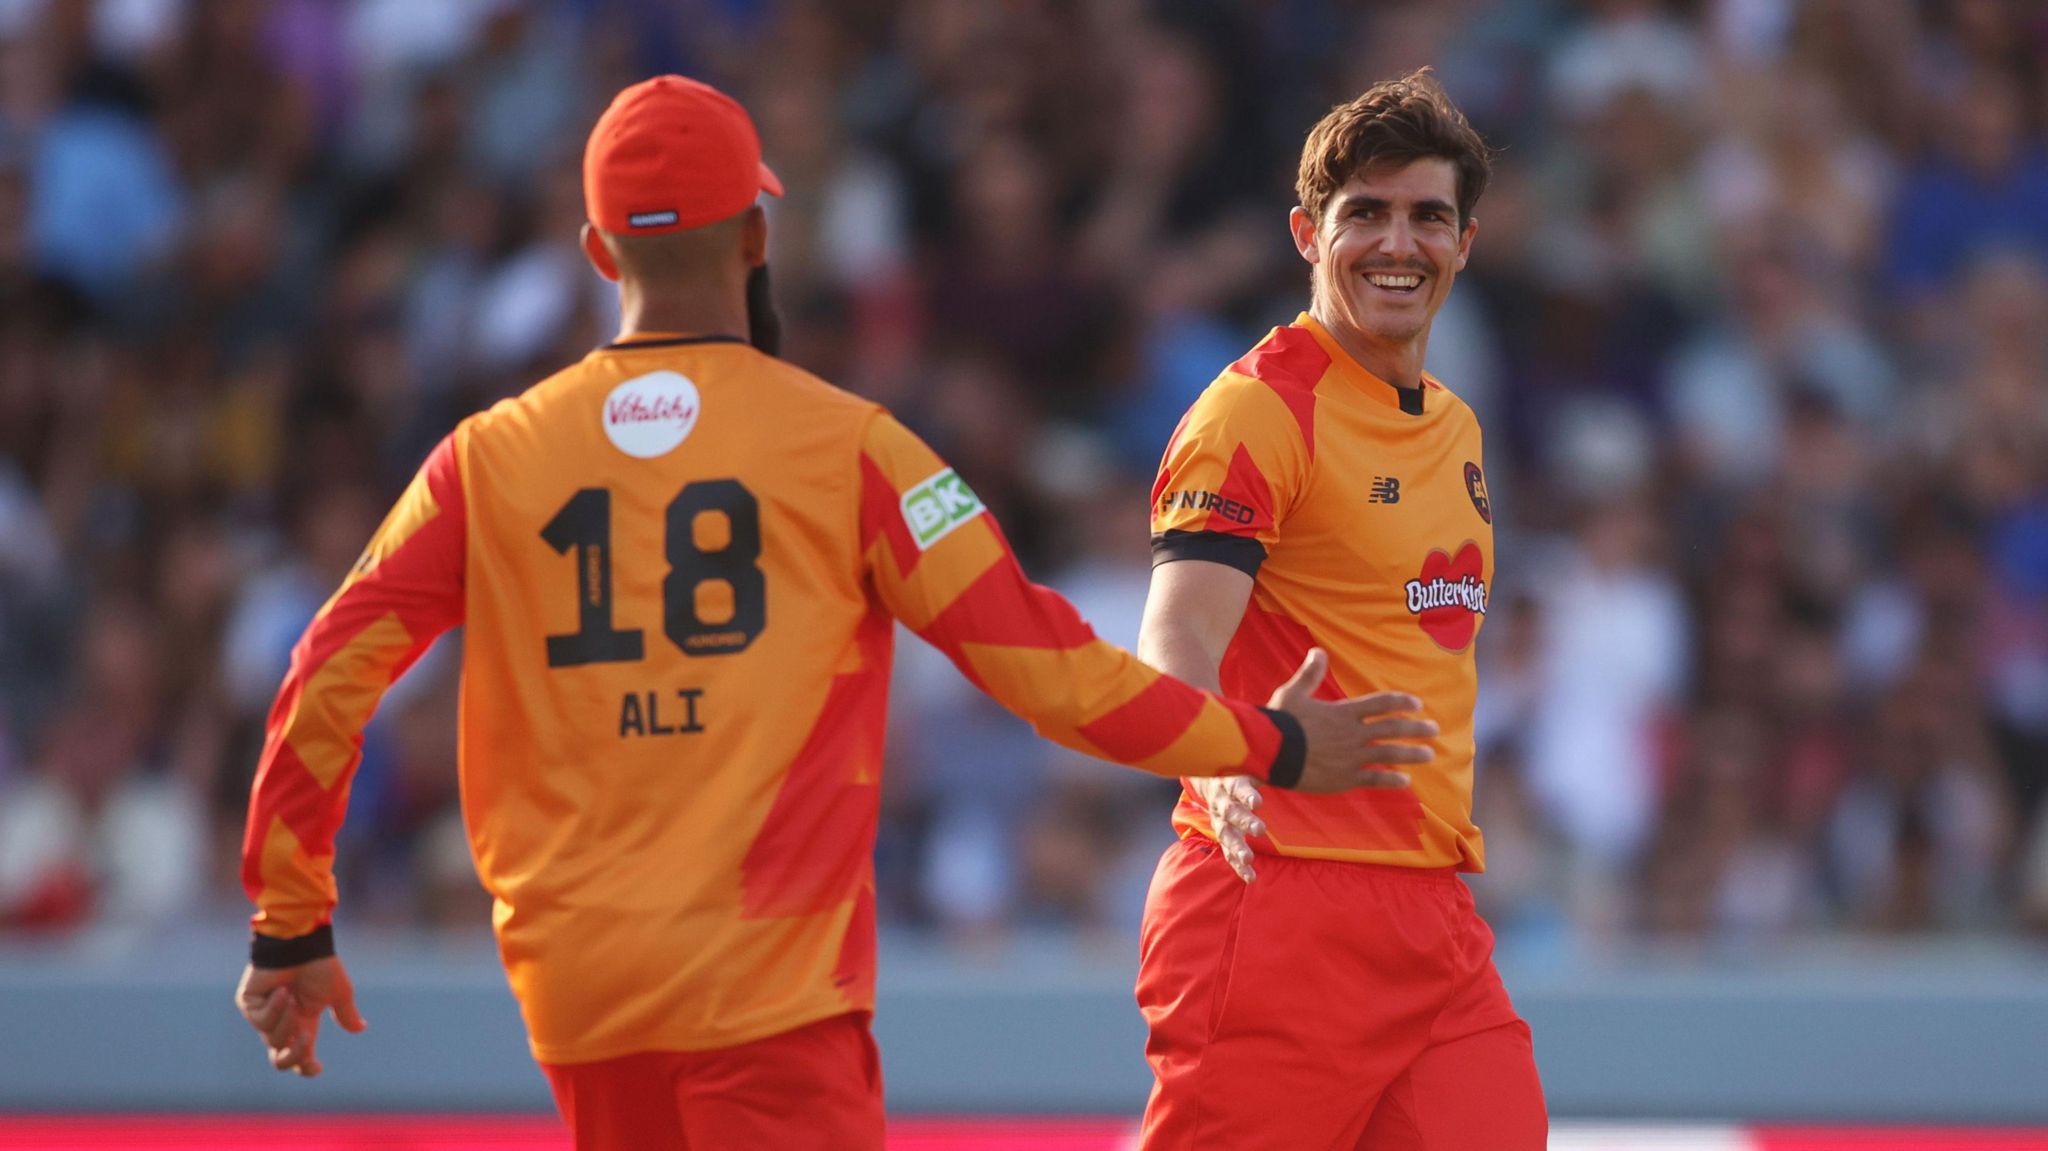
(676, 342)
(1411, 399)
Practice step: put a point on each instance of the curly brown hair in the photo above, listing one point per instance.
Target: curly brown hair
(1392, 122)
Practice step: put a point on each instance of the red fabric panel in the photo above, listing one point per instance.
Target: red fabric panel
(1266, 650)
(856, 966)
(817, 844)
(1005, 608)
(286, 790)
(1247, 485)
(1148, 722)
(1290, 362)
(881, 514)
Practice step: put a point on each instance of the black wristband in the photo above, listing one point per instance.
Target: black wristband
(1292, 757)
(265, 951)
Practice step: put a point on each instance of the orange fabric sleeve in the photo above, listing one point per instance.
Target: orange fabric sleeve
(1231, 474)
(405, 590)
(940, 564)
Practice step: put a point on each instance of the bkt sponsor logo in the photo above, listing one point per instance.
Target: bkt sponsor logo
(1236, 511)
(938, 505)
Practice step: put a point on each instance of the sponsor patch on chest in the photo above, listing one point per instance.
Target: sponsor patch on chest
(1449, 596)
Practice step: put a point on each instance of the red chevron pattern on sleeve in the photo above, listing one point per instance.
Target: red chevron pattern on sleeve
(955, 582)
(1240, 459)
(1291, 362)
(405, 590)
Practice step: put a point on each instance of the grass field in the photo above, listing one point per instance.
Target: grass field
(464, 1133)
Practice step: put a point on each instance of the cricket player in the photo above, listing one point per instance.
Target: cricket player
(679, 563)
(1314, 974)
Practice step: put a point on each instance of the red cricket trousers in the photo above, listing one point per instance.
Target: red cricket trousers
(817, 1088)
(1327, 1005)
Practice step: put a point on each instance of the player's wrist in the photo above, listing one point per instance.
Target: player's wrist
(270, 952)
(1292, 756)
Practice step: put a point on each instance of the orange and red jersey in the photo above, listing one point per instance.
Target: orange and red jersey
(1360, 511)
(678, 562)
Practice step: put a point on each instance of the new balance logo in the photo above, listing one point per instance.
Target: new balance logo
(1385, 490)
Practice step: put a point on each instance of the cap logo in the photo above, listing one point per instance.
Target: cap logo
(647, 416)
(652, 219)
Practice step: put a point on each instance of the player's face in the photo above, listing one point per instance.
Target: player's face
(1387, 248)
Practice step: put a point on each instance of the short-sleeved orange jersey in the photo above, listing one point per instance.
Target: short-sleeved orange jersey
(678, 562)
(1360, 510)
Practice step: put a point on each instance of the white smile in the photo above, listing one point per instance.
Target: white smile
(1392, 282)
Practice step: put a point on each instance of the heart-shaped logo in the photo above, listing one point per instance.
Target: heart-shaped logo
(1450, 596)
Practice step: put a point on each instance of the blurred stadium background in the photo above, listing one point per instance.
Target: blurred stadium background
(1757, 322)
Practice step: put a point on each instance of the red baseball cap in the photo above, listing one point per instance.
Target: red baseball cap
(672, 153)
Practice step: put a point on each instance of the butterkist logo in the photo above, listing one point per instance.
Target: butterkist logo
(1467, 593)
(1449, 596)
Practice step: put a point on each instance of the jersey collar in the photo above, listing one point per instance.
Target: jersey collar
(1414, 401)
(665, 340)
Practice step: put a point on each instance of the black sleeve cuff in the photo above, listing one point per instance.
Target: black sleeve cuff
(1292, 757)
(264, 951)
(1241, 552)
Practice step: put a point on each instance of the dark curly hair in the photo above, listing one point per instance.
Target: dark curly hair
(1392, 122)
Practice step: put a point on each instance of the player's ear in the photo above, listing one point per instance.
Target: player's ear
(754, 236)
(1303, 226)
(1465, 242)
(600, 257)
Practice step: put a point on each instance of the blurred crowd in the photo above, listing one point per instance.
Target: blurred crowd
(1756, 320)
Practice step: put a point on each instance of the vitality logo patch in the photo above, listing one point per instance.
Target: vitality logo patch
(1450, 596)
(936, 506)
(647, 416)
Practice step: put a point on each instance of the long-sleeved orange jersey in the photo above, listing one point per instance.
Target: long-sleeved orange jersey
(1360, 511)
(678, 562)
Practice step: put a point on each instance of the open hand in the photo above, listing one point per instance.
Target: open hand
(1347, 734)
(1230, 800)
(1343, 736)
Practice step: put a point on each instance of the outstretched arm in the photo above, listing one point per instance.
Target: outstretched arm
(941, 565)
